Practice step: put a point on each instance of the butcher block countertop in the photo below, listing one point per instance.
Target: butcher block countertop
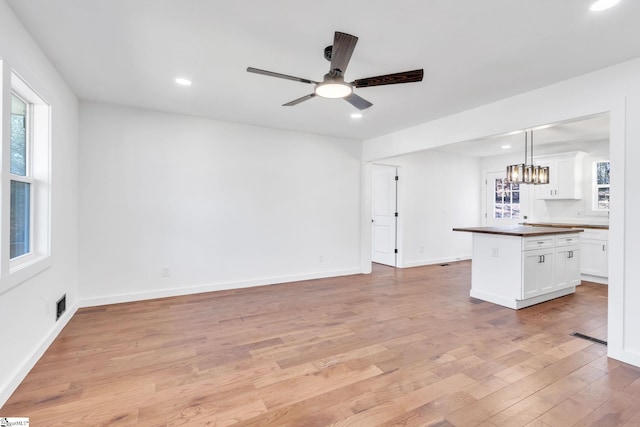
(564, 225)
(520, 230)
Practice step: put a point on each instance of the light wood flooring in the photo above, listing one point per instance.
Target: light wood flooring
(405, 347)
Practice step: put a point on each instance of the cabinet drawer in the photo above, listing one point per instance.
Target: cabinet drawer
(531, 243)
(569, 239)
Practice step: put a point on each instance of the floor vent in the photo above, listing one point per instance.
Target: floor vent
(443, 265)
(61, 306)
(587, 337)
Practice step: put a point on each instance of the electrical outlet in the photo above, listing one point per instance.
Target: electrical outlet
(166, 271)
(421, 249)
(321, 258)
(494, 252)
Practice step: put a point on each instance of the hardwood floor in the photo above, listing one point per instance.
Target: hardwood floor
(395, 348)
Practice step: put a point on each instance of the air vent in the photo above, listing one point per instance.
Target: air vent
(61, 306)
(588, 338)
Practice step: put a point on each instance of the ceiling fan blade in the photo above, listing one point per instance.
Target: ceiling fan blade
(299, 100)
(281, 76)
(358, 102)
(390, 79)
(343, 46)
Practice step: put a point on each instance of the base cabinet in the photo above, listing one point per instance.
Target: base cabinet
(566, 267)
(517, 272)
(595, 256)
(537, 272)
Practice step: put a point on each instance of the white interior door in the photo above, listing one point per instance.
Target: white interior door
(505, 203)
(384, 220)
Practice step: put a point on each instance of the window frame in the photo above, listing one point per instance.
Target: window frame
(14, 271)
(27, 178)
(595, 187)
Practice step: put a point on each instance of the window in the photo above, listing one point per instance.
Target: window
(507, 199)
(20, 186)
(601, 185)
(25, 182)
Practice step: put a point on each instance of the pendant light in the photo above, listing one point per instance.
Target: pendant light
(527, 173)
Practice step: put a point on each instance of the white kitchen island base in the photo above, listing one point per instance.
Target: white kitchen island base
(517, 267)
(518, 304)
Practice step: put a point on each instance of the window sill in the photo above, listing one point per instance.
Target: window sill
(23, 272)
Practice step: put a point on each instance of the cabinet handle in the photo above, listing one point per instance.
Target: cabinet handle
(602, 248)
(540, 259)
(570, 254)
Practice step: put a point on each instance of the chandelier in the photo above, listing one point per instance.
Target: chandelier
(528, 173)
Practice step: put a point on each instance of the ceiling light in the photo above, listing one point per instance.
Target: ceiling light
(333, 90)
(356, 115)
(603, 5)
(506, 147)
(527, 173)
(183, 82)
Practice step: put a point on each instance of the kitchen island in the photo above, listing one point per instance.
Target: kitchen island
(520, 266)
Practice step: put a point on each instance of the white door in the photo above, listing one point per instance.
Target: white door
(383, 219)
(505, 202)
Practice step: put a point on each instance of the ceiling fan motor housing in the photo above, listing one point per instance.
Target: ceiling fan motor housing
(327, 52)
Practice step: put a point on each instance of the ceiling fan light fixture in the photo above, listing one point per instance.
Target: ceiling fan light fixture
(333, 90)
(603, 5)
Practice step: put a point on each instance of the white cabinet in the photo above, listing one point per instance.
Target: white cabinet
(517, 271)
(594, 247)
(537, 272)
(566, 267)
(565, 176)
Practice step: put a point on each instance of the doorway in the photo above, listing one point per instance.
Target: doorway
(505, 203)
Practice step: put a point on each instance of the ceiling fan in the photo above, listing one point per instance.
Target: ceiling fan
(333, 84)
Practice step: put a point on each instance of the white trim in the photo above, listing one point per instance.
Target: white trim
(595, 279)
(8, 388)
(518, 304)
(211, 287)
(421, 262)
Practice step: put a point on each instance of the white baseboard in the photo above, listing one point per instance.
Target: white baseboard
(212, 287)
(595, 279)
(422, 262)
(10, 386)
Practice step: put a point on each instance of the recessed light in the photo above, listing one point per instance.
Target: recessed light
(506, 147)
(356, 115)
(183, 82)
(603, 5)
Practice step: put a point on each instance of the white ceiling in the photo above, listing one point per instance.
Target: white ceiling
(548, 139)
(473, 52)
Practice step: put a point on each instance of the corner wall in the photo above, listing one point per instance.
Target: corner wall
(27, 311)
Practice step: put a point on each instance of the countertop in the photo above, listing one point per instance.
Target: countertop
(520, 230)
(564, 225)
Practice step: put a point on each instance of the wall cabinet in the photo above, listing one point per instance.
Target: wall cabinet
(565, 176)
(595, 255)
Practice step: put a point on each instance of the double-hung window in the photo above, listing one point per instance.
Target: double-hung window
(25, 180)
(20, 222)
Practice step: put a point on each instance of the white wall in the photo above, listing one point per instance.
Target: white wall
(437, 192)
(615, 90)
(28, 325)
(222, 205)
